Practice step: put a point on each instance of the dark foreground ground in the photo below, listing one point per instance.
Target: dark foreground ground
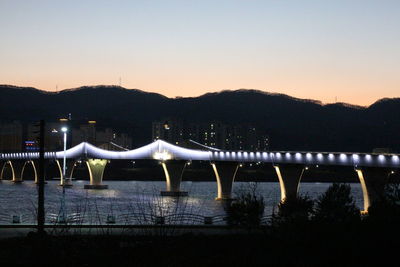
(303, 246)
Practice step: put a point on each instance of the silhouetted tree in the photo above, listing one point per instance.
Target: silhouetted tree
(293, 211)
(336, 206)
(246, 210)
(387, 208)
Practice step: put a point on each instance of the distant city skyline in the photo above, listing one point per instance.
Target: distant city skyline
(332, 51)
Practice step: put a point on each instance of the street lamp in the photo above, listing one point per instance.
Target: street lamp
(64, 130)
(62, 215)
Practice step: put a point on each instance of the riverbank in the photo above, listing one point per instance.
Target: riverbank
(21, 231)
(304, 246)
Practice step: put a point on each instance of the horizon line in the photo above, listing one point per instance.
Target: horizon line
(315, 101)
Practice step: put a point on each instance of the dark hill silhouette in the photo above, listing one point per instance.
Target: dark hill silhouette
(293, 124)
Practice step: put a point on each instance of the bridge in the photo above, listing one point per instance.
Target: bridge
(373, 169)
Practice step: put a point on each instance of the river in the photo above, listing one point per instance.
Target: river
(135, 202)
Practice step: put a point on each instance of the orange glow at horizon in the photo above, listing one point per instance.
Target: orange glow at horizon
(331, 51)
(326, 93)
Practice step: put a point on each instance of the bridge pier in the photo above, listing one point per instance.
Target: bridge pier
(289, 177)
(173, 171)
(96, 170)
(225, 174)
(26, 163)
(373, 181)
(69, 165)
(16, 168)
(2, 166)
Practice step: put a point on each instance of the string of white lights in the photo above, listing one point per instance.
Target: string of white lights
(161, 150)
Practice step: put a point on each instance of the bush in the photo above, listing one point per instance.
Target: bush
(387, 208)
(336, 206)
(293, 210)
(246, 210)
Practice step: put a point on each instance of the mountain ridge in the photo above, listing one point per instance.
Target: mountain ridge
(292, 123)
(186, 97)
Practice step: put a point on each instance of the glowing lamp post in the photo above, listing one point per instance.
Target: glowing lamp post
(62, 216)
(64, 130)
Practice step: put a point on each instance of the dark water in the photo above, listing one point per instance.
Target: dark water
(134, 202)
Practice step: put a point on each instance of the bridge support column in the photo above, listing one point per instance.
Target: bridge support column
(173, 171)
(289, 179)
(225, 174)
(16, 170)
(96, 170)
(373, 181)
(69, 168)
(25, 165)
(2, 167)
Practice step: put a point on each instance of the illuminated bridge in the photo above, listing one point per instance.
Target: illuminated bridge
(373, 170)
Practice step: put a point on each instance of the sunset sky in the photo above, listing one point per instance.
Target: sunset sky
(327, 49)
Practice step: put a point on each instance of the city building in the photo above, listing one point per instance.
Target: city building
(11, 137)
(212, 134)
(169, 129)
(17, 136)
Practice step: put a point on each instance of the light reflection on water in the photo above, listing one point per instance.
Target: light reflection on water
(134, 202)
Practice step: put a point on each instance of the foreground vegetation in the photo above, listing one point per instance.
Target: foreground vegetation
(326, 232)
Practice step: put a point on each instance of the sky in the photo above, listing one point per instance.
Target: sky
(328, 50)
